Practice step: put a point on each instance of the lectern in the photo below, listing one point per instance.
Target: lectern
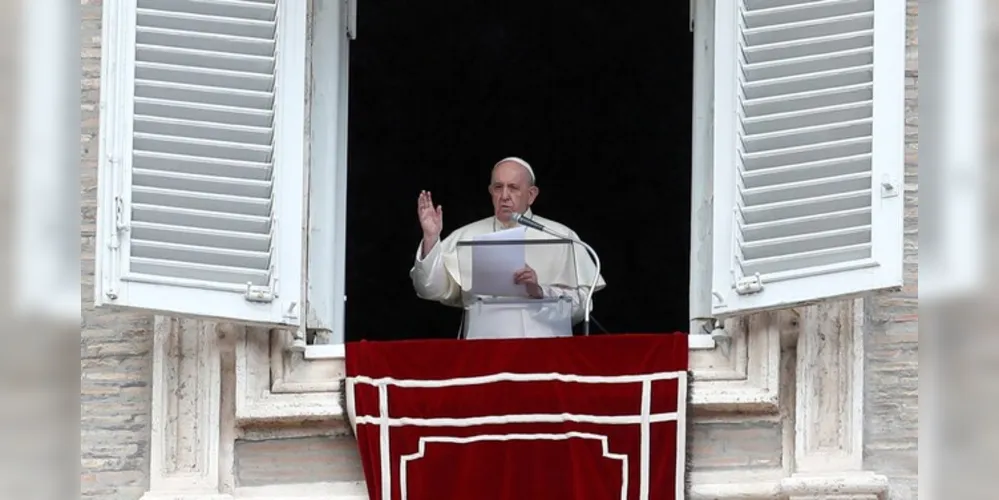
(495, 307)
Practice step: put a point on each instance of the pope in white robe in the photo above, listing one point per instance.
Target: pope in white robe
(562, 272)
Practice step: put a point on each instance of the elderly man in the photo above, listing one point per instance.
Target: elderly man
(436, 275)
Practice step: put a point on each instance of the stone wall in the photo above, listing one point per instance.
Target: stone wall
(892, 340)
(260, 462)
(115, 348)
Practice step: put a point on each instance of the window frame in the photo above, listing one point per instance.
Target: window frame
(702, 155)
(715, 54)
(328, 64)
(331, 32)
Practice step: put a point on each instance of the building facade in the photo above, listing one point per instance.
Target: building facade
(808, 402)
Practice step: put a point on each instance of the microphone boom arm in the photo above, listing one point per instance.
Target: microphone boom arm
(588, 306)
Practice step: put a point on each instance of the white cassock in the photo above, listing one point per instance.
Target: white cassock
(436, 276)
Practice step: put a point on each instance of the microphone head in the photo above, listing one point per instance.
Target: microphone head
(524, 220)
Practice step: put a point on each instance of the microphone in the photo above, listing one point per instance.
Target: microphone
(524, 220)
(533, 224)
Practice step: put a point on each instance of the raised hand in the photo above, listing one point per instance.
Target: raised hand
(431, 220)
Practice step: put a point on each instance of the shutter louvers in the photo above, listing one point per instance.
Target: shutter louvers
(816, 158)
(203, 141)
(209, 150)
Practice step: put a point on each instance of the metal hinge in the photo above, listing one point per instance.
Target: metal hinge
(749, 284)
(119, 216)
(350, 18)
(259, 293)
(114, 239)
(114, 242)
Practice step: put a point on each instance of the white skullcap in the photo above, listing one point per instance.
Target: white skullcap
(520, 162)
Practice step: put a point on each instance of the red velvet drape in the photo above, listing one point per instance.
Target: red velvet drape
(570, 418)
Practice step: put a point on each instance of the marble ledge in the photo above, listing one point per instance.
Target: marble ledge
(346, 490)
(185, 496)
(850, 485)
(840, 485)
(352, 490)
(325, 351)
(337, 351)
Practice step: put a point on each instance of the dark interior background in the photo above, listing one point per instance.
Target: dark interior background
(595, 95)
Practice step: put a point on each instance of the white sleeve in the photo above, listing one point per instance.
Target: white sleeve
(430, 279)
(576, 295)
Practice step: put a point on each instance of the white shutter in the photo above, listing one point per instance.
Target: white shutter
(808, 151)
(202, 164)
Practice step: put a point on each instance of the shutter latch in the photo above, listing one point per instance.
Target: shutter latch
(888, 188)
(259, 293)
(749, 284)
(291, 315)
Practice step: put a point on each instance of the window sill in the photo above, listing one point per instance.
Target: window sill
(337, 351)
(324, 351)
(700, 342)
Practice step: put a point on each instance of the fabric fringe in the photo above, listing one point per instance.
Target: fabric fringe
(342, 394)
(688, 456)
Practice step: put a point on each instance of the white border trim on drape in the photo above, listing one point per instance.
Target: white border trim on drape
(643, 417)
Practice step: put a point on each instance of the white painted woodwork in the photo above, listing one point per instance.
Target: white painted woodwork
(202, 166)
(701, 200)
(808, 160)
(329, 63)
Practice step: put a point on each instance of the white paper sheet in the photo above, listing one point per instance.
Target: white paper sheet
(494, 266)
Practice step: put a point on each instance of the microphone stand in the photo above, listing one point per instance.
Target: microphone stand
(531, 223)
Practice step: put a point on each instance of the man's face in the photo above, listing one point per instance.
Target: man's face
(511, 190)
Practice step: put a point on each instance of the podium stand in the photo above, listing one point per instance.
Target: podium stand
(500, 309)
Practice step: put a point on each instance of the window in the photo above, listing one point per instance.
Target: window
(223, 135)
(607, 133)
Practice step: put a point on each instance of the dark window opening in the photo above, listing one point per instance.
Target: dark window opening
(597, 97)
